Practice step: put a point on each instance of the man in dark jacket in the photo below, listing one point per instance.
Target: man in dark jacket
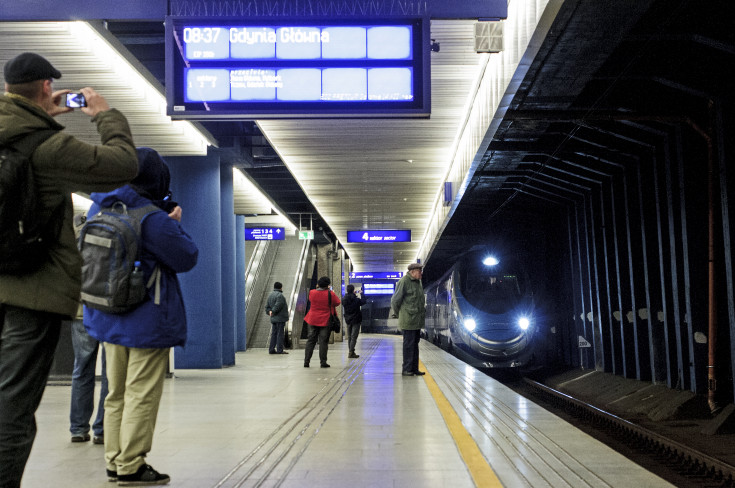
(351, 304)
(32, 305)
(278, 311)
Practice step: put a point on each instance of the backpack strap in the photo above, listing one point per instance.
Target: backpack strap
(27, 144)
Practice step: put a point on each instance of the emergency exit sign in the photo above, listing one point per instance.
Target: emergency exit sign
(306, 235)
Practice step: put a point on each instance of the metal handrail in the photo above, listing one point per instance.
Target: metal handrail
(298, 278)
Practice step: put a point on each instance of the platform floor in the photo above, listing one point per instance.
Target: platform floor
(270, 422)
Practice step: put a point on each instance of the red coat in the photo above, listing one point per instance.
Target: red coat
(319, 308)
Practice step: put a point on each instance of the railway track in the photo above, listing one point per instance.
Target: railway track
(672, 460)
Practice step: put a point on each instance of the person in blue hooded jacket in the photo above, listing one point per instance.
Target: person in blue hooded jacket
(137, 342)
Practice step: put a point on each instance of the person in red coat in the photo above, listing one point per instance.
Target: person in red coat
(317, 318)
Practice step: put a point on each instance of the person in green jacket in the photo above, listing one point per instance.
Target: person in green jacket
(409, 303)
(32, 305)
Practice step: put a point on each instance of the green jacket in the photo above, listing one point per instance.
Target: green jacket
(409, 303)
(62, 165)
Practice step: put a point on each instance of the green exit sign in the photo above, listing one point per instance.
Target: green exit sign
(306, 234)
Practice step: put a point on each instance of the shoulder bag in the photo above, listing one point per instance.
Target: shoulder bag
(333, 323)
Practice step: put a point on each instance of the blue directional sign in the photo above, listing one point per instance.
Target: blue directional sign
(379, 236)
(265, 234)
(379, 275)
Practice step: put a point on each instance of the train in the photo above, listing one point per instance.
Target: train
(487, 311)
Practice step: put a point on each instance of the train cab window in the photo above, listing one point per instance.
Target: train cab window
(492, 288)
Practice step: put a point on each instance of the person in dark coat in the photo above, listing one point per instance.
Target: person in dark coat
(351, 304)
(277, 308)
(317, 318)
(137, 342)
(33, 305)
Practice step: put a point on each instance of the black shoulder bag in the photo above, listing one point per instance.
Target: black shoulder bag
(333, 323)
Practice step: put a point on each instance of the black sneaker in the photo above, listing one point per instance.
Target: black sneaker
(145, 476)
(111, 475)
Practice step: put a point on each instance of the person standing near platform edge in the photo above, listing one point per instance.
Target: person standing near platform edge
(409, 303)
(32, 305)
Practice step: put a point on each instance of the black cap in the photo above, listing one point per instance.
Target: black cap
(28, 67)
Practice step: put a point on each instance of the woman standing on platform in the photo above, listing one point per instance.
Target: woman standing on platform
(317, 318)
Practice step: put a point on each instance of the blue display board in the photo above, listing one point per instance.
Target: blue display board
(265, 234)
(380, 275)
(246, 68)
(378, 288)
(379, 236)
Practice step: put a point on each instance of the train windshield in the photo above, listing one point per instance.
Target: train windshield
(493, 290)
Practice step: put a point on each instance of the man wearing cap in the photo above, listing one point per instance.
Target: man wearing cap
(409, 303)
(32, 305)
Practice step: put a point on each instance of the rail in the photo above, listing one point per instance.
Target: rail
(700, 463)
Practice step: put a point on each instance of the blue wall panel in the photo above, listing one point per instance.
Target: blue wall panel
(196, 186)
(227, 216)
(240, 326)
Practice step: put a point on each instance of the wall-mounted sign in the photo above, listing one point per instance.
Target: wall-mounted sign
(274, 68)
(403, 235)
(380, 275)
(378, 288)
(265, 234)
(306, 235)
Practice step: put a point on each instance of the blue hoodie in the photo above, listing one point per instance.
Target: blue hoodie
(164, 243)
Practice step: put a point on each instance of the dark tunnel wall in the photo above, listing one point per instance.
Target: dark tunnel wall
(619, 145)
(640, 244)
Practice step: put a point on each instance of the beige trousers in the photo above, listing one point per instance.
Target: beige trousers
(135, 378)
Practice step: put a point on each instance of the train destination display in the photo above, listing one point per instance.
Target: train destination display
(226, 69)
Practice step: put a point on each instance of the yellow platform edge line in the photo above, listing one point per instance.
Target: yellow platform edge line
(481, 472)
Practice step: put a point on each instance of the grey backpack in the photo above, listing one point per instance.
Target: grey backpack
(110, 244)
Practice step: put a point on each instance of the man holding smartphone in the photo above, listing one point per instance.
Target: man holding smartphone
(33, 304)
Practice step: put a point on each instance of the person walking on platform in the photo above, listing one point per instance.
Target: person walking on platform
(137, 342)
(409, 303)
(323, 302)
(278, 311)
(33, 304)
(351, 304)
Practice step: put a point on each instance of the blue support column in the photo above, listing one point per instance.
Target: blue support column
(240, 334)
(229, 260)
(195, 183)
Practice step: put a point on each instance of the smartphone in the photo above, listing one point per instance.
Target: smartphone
(75, 100)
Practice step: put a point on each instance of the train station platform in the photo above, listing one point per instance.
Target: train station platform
(270, 422)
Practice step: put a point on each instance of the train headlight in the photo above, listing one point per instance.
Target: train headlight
(490, 261)
(523, 323)
(469, 324)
